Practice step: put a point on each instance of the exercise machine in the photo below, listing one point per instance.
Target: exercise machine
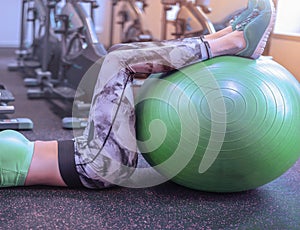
(33, 47)
(76, 41)
(46, 48)
(22, 52)
(132, 23)
(80, 53)
(64, 46)
(80, 45)
(6, 97)
(191, 19)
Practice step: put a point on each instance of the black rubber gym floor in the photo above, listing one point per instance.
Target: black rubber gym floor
(167, 206)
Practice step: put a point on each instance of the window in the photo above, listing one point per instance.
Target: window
(288, 17)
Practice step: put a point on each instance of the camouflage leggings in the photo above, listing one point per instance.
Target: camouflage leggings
(108, 142)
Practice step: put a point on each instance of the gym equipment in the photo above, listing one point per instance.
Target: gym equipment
(74, 122)
(64, 47)
(11, 123)
(16, 154)
(93, 5)
(80, 49)
(22, 52)
(44, 51)
(228, 124)
(132, 22)
(44, 45)
(191, 19)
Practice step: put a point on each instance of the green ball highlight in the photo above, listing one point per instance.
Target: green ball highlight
(233, 122)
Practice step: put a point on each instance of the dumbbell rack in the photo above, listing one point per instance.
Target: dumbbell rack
(11, 123)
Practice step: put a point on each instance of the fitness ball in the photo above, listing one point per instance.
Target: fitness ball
(227, 124)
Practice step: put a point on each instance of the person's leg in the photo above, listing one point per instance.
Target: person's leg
(252, 4)
(109, 140)
(107, 153)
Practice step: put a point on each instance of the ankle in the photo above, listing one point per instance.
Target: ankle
(229, 44)
(238, 41)
(218, 34)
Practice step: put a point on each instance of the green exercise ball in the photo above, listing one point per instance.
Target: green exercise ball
(228, 124)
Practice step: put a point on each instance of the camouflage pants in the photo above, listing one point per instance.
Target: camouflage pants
(108, 143)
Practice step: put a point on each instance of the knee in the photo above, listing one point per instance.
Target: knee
(15, 157)
(115, 61)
